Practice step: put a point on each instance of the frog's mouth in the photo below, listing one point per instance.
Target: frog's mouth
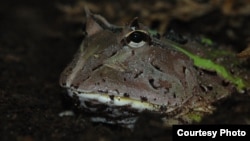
(112, 109)
(113, 101)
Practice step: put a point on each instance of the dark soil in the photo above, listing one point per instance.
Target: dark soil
(37, 41)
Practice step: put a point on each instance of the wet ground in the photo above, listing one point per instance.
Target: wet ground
(38, 39)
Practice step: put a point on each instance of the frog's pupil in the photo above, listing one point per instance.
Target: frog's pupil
(137, 36)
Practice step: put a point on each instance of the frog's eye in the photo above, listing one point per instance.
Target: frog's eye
(137, 38)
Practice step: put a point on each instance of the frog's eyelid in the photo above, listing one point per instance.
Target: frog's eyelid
(136, 45)
(143, 31)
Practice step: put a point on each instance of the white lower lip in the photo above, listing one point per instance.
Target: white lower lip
(116, 101)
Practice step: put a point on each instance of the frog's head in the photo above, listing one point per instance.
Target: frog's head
(120, 71)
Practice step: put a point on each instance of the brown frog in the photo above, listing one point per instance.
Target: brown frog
(121, 71)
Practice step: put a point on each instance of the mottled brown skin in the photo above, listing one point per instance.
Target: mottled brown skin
(153, 73)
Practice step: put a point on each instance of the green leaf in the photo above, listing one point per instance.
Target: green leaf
(210, 65)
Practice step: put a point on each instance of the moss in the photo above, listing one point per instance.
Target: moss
(206, 41)
(210, 65)
(195, 117)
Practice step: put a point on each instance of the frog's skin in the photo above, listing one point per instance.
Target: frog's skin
(121, 71)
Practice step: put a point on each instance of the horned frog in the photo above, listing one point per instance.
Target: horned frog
(121, 71)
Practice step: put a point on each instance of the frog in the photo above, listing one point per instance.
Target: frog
(120, 72)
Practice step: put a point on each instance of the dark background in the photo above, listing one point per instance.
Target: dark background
(39, 38)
